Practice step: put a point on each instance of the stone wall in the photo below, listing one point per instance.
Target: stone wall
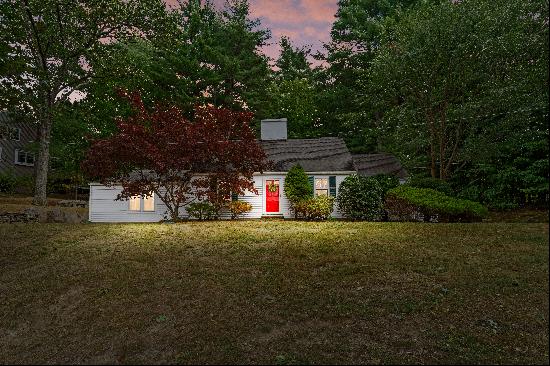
(29, 215)
(45, 214)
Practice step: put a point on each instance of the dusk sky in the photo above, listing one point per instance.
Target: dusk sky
(305, 22)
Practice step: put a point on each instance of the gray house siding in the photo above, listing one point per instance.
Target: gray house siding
(15, 138)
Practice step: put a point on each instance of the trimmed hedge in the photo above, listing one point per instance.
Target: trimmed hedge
(432, 183)
(404, 202)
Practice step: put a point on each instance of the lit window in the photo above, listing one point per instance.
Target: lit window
(135, 203)
(321, 186)
(24, 158)
(149, 203)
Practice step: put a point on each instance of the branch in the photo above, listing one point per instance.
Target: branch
(33, 33)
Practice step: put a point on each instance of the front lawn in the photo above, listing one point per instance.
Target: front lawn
(274, 292)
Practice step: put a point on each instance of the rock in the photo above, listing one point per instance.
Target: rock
(72, 203)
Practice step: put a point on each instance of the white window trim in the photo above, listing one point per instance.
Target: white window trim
(17, 162)
(142, 205)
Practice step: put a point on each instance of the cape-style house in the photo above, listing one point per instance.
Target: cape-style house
(327, 162)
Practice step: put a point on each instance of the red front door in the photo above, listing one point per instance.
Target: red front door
(272, 195)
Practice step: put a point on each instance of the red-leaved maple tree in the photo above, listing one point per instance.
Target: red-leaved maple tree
(159, 150)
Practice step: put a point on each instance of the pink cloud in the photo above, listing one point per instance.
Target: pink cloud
(305, 22)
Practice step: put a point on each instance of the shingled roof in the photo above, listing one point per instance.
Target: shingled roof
(373, 164)
(326, 154)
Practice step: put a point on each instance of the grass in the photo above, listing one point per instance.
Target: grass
(274, 292)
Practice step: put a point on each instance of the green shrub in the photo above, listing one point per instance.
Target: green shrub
(11, 183)
(316, 208)
(238, 208)
(297, 187)
(387, 182)
(361, 198)
(404, 202)
(432, 183)
(8, 183)
(202, 210)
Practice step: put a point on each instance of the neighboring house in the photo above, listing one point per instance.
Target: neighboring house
(15, 138)
(327, 162)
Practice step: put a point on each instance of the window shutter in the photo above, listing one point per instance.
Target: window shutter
(234, 197)
(332, 185)
(311, 180)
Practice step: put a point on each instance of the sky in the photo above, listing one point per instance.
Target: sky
(305, 22)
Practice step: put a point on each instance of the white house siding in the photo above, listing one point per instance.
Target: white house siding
(104, 208)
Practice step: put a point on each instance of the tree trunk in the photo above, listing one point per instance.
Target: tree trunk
(43, 158)
(432, 163)
(176, 214)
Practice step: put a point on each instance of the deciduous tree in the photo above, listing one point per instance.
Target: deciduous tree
(54, 49)
(180, 160)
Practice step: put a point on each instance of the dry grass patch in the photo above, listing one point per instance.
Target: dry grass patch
(274, 292)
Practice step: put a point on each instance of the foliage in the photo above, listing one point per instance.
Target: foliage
(316, 208)
(292, 91)
(11, 183)
(204, 55)
(515, 176)
(361, 198)
(386, 181)
(202, 210)
(355, 40)
(218, 52)
(432, 183)
(161, 151)
(297, 187)
(55, 48)
(295, 100)
(404, 202)
(462, 83)
(8, 182)
(293, 63)
(238, 208)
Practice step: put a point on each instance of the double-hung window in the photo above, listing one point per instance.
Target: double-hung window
(24, 158)
(321, 186)
(142, 204)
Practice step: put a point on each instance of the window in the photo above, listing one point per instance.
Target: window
(321, 186)
(24, 158)
(135, 203)
(149, 203)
